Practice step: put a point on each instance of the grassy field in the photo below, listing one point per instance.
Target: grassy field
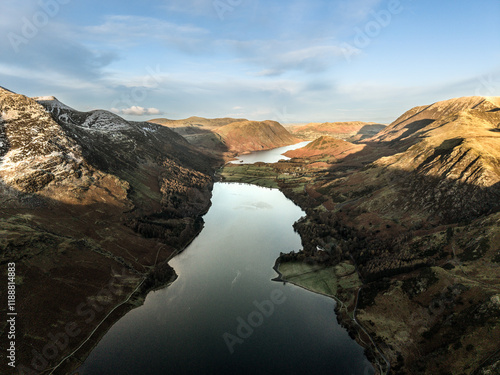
(265, 175)
(250, 174)
(320, 279)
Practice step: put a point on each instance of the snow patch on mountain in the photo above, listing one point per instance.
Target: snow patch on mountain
(52, 103)
(104, 120)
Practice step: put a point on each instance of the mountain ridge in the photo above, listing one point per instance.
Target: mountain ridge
(347, 130)
(226, 137)
(421, 116)
(84, 195)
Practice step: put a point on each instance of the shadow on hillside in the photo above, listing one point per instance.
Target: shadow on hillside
(448, 199)
(371, 129)
(204, 138)
(67, 254)
(4, 141)
(372, 152)
(413, 127)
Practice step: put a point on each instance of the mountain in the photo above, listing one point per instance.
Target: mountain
(228, 136)
(196, 122)
(417, 212)
(246, 136)
(420, 117)
(90, 204)
(326, 149)
(351, 130)
(199, 131)
(450, 165)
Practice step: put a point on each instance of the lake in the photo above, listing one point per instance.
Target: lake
(268, 156)
(224, 314)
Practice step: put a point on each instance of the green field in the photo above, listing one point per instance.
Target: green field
(250, 174)
(320, 279)
(263, 175)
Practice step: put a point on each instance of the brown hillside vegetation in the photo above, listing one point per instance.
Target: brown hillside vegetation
(417, 210)
(89, 203)
(228, 137)
(199, 132)
(326, 145)
(419, 117)
(248, 136)
(350, 130)
(196, 121)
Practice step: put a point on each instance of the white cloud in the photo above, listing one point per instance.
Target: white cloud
(276, 57)
(137, 111)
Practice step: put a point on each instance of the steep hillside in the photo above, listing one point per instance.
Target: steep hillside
(350, 131)
(445, 171)
(327, 150)
(199, 131)
(246, 136)
(89, 203)
(420, 117)
(228, 137)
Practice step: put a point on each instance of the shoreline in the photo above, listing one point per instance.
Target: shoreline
(71, 363)
(341, 309)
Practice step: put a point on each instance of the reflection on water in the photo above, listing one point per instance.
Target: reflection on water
(224, 315)
(268, 156)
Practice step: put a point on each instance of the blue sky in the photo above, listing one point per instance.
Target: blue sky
(290, 61)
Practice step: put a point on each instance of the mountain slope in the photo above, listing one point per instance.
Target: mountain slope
(195, 122)
(351, 130)
(327, 149)
(90, 202)
(199, 131)
(420, 117)
(227, 136)
(246, 136)
(452, 165)
(420, 220)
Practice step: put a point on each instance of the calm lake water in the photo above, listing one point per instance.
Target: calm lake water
(224, 315)
(268, 156)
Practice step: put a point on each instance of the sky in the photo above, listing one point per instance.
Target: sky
(291, 61)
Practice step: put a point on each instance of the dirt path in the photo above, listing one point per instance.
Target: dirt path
(95, 329)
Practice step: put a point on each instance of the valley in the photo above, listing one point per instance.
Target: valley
(402, 224)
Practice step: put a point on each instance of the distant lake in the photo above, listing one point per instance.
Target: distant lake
(268, 156)
(195, 325)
